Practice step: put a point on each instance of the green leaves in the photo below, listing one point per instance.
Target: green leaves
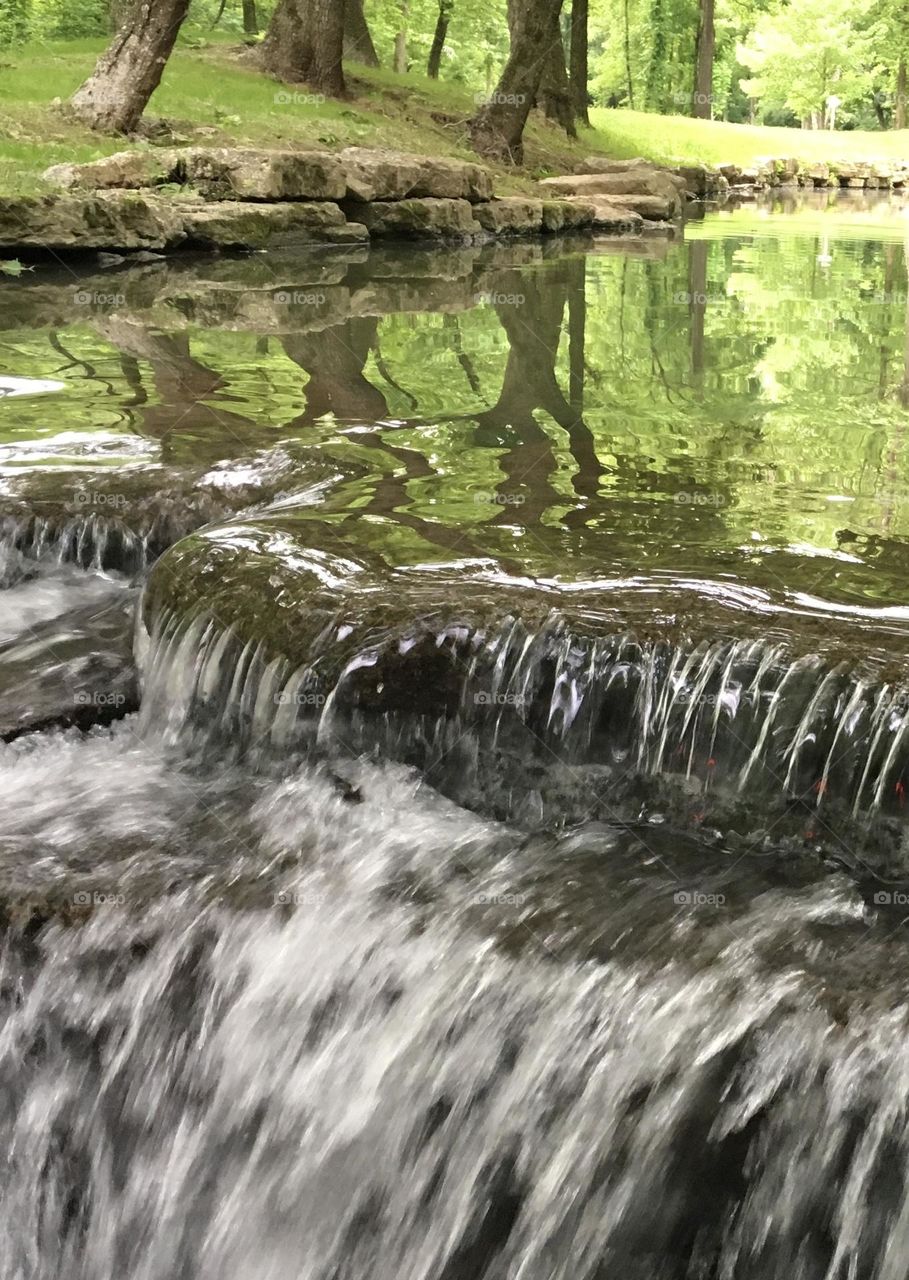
(807, 52)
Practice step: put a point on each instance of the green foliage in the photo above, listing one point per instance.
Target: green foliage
(15, 16)
(475, 48)
(807, 51)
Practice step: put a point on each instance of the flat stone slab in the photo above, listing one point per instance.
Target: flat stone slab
(512, 215)
(419, 219)
(393, 175)
(230, 173)
(567, 215)
(126, 170)
(143, 220)
(237, 224)
(632, 182)
(609, 216)
(102, 220)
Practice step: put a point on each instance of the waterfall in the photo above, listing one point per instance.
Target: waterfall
(744, 716)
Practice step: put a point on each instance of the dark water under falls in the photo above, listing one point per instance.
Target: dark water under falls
(455, 754)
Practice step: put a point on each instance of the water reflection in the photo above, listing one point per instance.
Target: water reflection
(733, 405)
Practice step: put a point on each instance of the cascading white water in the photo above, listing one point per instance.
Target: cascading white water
(350, 1076)
(740, 713)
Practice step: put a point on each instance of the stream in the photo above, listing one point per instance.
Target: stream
(454, 744)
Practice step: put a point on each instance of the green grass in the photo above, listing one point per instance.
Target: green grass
(679, 139)
(212, 93)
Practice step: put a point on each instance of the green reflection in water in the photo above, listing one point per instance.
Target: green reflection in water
(732, 406)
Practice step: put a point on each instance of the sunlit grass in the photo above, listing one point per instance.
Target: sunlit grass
(676, 139)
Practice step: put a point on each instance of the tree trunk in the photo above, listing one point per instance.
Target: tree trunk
(446, 8)
(250, 18)
(305, 42)
(358, 44)
(555, 91)
(703, 61)
(629, 81)
(400, 63)
(126, 75)
(579, 59)
(899, 113)
(287, 49)
(497, 130)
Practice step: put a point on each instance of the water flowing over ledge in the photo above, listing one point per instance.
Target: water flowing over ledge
(519, 698)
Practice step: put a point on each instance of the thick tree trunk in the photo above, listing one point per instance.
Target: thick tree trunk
(497, 130)
(305, 42)
(578, 59)
(446, 8)
(899, 112)
(703, 61)
(400, 63)
(287, 49)
(116, 93)
(555, 91)
(250, 18)
(358, 44)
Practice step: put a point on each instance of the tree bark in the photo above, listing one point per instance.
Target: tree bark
(250, 18)
(899, 113)
(305, 42)
(703, 61)
(446, 8)
(578, 59)
(126, 75)
(400, 63)
(358, 43)
(497, 130)
(555, 91)
(629, 80)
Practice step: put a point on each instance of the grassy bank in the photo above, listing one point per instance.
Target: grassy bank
(212, 94)
(677, 139)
